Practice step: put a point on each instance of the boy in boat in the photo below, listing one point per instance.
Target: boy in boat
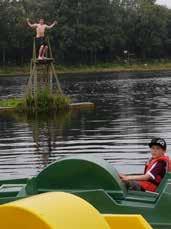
(154, 170)
(40, 36)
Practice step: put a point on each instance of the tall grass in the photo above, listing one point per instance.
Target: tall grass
(45, 102)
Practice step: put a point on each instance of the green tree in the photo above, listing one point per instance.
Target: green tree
(88, 31)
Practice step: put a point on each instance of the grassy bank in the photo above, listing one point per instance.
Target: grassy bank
(106, 67)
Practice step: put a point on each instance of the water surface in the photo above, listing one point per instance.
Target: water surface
(131, 108)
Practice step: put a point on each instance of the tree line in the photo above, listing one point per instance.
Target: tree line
(88, 31)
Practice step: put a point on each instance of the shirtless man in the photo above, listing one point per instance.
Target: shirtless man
(40, 36)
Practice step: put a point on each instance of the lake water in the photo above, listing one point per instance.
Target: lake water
(131, 108)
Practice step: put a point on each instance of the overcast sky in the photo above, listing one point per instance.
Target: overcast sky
(165, 2)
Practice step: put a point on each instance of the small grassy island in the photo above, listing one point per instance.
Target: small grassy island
(43, 102)
(43, 94)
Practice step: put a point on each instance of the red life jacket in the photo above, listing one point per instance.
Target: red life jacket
(148, 185)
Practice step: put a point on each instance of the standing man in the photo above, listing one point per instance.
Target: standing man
(40, 36)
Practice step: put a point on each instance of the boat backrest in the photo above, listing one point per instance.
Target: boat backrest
(163, 182)
(80, 173)
(169, 166)
(165, 178)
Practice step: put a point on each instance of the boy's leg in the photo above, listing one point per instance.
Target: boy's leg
(44, 51)
(41, 52)
(133, 185)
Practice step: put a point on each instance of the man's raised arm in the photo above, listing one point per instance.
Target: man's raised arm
(52, 25)
(31, 25)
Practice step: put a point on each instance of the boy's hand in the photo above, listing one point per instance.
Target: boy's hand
(55, 22)
(123, 177)
(27, 19)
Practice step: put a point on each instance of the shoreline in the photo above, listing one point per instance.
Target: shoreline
(109, 68)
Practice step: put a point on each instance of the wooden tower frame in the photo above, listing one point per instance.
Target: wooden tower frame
(50, 78)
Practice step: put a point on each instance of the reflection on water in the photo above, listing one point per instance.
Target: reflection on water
(130, 109)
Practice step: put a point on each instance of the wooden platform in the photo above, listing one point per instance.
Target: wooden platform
(43, 61)
(84, 105)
